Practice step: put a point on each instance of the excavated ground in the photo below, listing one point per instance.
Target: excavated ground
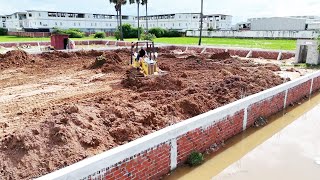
(59, 108)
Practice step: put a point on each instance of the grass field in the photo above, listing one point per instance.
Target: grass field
(227, 42)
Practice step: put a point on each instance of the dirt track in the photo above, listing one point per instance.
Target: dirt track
(56, 110)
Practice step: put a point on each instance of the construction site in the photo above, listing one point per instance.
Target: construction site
(58, 108)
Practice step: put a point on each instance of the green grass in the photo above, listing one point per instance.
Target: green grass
(279, 44)
(232, 42)
(30, 39)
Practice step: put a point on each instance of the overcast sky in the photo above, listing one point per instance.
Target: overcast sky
(241, 10)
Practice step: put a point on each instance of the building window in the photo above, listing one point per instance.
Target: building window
(60, 23)
(74, 24)
(39, 14)
(40, 23)
(56, 24)
(79, 24)
(30, 15)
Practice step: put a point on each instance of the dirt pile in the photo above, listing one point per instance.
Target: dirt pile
(108, 62)
(15, 58)
(221, 56)
(70, 128)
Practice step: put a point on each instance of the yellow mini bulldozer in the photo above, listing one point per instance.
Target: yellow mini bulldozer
(145, 58)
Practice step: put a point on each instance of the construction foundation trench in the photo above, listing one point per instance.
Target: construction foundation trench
(58, 108)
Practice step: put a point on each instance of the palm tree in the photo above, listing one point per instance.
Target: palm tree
(118, 5)
(201, 23)
(145, 2)
(138, 4)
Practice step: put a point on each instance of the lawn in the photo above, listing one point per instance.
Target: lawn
(233, 42)
(30, 39)
(279, 44)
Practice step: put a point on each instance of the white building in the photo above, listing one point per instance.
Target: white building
(292, 23)
(45, 21)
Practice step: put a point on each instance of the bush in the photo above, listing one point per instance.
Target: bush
(173, 33)
(148, 37)
(117, 34)
(3, 32)
(195, 159)
(158, 32)
(73, 33)
(100, 35)
(210, 29)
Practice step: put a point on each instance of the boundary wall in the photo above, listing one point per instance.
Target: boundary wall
(241, 52)
(257, 34)
(155, 155)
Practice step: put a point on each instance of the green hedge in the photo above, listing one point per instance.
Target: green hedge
(160, 32)
(73, 33)
(3, 32)
(100, 35)
(128, 31)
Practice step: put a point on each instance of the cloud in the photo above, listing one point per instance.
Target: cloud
(241, 10)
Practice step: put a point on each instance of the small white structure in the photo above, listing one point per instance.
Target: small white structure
(307, 52)
(278, 24)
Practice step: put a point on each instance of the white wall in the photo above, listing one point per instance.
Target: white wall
(278, 23)
(258, 34)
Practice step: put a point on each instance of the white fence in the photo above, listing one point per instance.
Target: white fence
(258, 34)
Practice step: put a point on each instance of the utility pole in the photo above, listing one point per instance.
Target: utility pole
(201, 23)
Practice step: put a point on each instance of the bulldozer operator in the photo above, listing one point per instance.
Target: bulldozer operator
(141, 54)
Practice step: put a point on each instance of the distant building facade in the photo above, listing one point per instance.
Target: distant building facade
(292, 23)
(45, 21)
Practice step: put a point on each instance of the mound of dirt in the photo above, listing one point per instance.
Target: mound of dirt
(108, 62)
(135, 81)
(272, 67)
(221, 56)
(15, 58)
(56, 55)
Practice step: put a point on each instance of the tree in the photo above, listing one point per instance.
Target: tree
(145, 2)
(118, 6)
(138, 6)
(201, 23)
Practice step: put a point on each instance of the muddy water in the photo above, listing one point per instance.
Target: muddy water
(251, 162)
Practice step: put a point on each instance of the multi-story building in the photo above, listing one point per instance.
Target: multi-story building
(2, 21)
(45, 21)
(187, 21)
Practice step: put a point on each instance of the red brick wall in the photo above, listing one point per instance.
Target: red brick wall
(265, 108)
(215, 50)
(151, 164)
(316, 85)
(202, 139)
(196, 49)
(265, 54)
(240, 53)
(287, 55)
(298, 92)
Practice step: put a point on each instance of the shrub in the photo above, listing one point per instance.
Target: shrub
(117, 34)
(100, 35)
(128, 31)
(195, 159)
(173, 33)
(158, 32)
(148, 37)
(3, 32)
(73, 33)
(210, 29)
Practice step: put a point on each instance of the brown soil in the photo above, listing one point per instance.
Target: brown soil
(57, 111)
